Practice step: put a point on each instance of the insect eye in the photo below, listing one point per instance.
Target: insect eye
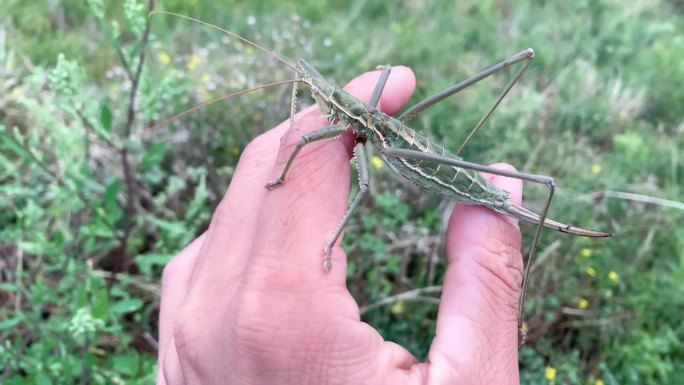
(314, 90)
(357, 109)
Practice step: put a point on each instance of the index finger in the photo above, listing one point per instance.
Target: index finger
(299, 217)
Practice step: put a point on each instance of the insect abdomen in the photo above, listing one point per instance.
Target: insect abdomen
(464, 185)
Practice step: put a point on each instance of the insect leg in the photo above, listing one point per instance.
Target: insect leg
(362, 168)
(327, 132)
(526, 56)
(379, 86)
(293, 103)
(540, 179)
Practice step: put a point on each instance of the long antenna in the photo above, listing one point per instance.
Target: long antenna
(253, 44)
(204, 104)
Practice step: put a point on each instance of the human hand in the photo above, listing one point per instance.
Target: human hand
(248, 302)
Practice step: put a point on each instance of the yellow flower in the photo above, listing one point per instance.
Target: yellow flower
(206, 95)
(590, 271)
(613, 276)
(193, 62)
(550, 373)
(16, 93)
(596, 169)
(164, 58)
(398, 307)
(377, 162)
(583, 304)
(586, 252)
(598, 382)
(658, 45)
(98, 351)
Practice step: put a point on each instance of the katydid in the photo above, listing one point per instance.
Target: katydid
(411, 155)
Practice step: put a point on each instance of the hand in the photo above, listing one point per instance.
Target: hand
(248, 302)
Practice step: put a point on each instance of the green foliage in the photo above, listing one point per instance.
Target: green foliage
(95, 199)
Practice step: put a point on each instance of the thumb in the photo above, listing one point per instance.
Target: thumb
(477, 326)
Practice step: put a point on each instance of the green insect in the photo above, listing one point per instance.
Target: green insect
(409, 154)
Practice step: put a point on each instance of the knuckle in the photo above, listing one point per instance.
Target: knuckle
(256, 148)
(502, 263)
(188, 342)
(173, 271)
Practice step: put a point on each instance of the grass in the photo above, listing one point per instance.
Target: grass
(599, 110)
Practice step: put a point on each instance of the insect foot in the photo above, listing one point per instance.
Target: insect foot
(271, 185)
(327, 261)
(522, 338)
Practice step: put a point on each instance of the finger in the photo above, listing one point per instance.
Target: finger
(226, 249)
(477, 322)
(218, 266)
(175, 283)
(170, 372)
(299, 217)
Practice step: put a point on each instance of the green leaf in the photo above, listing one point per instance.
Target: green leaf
(12, 322)
(126, 306)
(106, 117)
(17, 148)
(174, 229)
(146, 262)
(110, 194)
(9, 286)
(153, 156)
(128, 363)
(135, 50)
(198, 200)
(32, 247)
(42, 379)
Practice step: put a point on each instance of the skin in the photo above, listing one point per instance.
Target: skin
(248, 302)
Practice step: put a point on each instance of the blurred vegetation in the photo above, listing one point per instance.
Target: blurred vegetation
(93, 202)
